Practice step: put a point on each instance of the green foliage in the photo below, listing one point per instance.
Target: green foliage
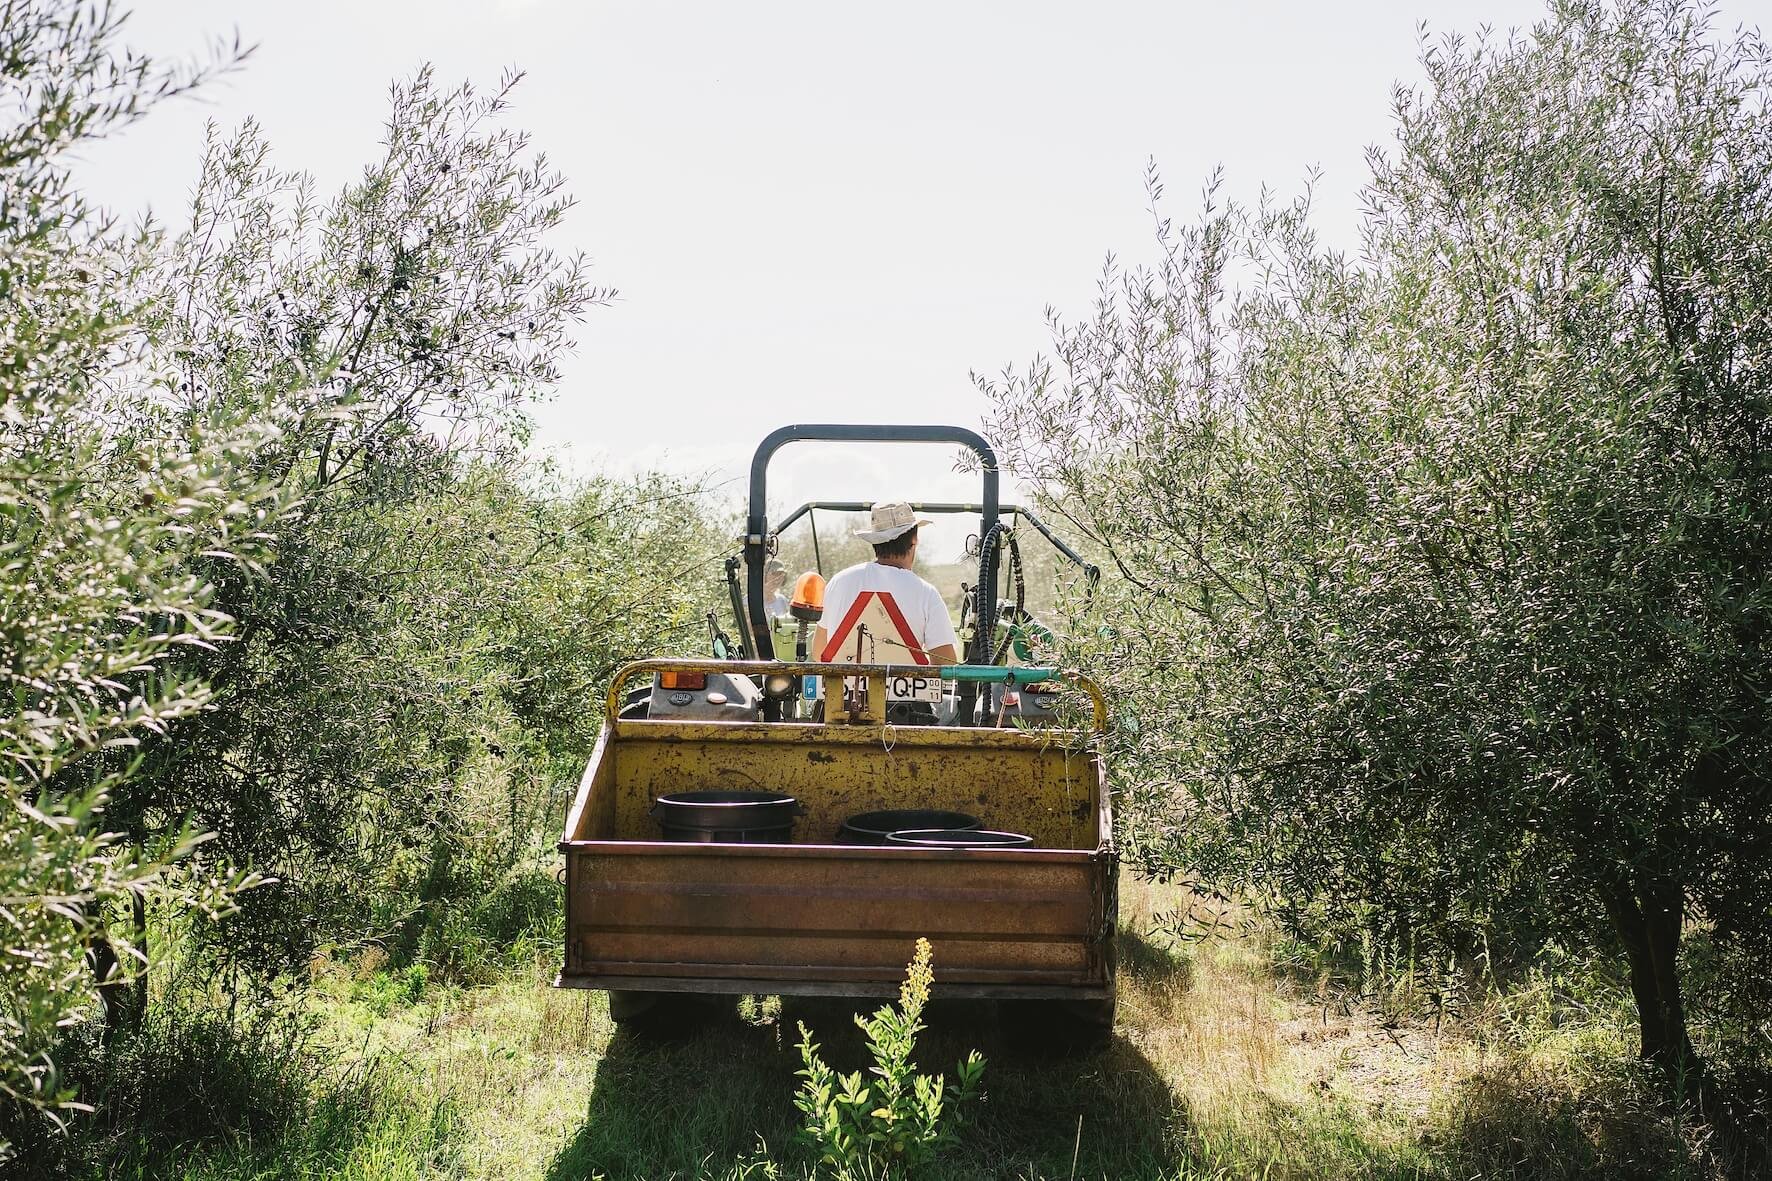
(420, 665)
(1442, 610)
(894, 1120)
(384, 989)
(262, 1090)
(279, 589)
(409, 317)
(108, 551)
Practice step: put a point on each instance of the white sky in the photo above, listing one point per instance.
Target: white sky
(823, 212)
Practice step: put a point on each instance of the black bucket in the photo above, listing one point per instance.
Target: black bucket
(727, 817)
(872, 828)
(954, 838)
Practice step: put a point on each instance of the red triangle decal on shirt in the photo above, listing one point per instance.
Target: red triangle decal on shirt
(890, 605)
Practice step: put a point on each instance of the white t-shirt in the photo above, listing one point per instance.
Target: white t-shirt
(899, 591)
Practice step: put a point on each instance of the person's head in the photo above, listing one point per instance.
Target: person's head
(775, 576)
(900, 548)
(892, 532)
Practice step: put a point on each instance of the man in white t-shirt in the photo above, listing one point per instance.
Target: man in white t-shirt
(880, 612)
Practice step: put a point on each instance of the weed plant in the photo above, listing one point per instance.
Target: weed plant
(899, 1118)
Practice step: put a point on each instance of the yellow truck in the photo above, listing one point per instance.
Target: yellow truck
(726, 851)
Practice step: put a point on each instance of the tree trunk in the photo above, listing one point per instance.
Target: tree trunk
(123, 998)
(105, 972)
(1648, 916)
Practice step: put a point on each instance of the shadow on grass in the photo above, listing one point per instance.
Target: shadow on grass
(704, 1102)
(684, 1103)
(1155, 965)
(1601, 1118)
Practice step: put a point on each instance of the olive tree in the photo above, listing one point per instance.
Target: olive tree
(409, 317)
(610, 570)
(422, 654)
(105, 552)
(1443, 601)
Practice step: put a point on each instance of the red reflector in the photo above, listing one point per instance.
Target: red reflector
(1012, 698)
(683, 680)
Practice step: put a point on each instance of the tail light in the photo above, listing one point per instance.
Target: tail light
(683, 680)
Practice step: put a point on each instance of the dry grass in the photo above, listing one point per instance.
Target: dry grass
(1280, 1082)
(1222, 1066)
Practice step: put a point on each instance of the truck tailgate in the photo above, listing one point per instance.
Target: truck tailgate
(836, 919)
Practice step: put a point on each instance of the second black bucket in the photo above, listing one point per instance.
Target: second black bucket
(730, 817)
(872, 828)
(947, 838)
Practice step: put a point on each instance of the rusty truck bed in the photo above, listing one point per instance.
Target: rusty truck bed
(816, 917)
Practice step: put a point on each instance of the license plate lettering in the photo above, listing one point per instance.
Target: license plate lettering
(904, 687)
(908, 688)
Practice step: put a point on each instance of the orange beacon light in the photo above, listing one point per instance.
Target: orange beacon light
(807, 604)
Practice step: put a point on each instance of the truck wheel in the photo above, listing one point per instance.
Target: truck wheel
(1057, 1028)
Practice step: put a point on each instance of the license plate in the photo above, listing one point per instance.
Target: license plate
(898, 688)
(914, 689)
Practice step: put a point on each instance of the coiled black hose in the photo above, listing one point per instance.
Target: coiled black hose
(985, 611)
(1016, 576)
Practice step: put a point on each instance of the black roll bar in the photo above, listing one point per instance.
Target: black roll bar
(757, 532)
(1090, 570)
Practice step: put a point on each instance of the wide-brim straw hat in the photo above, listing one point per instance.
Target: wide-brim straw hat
(890, 521)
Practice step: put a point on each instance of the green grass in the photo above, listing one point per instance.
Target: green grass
(1222, 1066)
